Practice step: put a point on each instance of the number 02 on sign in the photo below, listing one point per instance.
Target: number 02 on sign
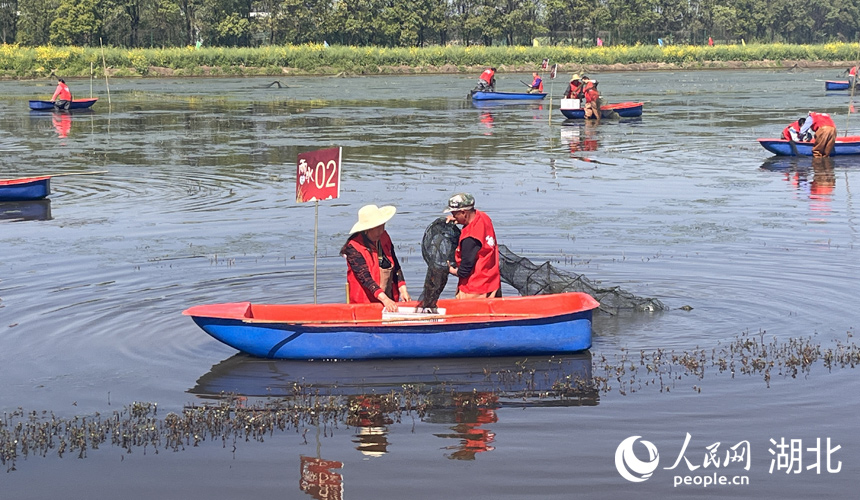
(318, 175)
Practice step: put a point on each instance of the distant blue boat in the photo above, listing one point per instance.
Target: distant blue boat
(478, 95)
(508, 326)
(76, 104)
(836, 85)
(846, 145)
(25, 188)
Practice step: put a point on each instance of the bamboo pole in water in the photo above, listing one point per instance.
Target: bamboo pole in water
(104, 66)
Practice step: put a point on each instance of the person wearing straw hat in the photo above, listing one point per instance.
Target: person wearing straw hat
(575, 89)
(373, 271)
(477, 256)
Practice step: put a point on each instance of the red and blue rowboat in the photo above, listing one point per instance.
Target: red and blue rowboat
(506, 96)
(25, 188)
(509, 326)
(837, 85)
(845, 145)
(76, 104)
(617, 110)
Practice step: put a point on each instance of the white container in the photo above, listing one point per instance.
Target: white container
(571, 103)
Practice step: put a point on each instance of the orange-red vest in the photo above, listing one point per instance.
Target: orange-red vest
(357, 293)
(821, 120)
(485, 278)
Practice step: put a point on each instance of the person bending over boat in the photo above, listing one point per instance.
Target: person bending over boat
(373, 273)
(825, 133)
(792, 132)
(487, 81)
(477, 256)
(537, 84)
(62, 97)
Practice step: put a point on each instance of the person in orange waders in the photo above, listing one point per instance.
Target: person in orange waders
(825, 133)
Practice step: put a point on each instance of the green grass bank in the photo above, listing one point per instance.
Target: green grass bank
(39, 62)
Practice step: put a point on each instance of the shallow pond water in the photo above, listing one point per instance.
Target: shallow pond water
(198, 206)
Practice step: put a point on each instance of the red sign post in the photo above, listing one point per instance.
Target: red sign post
(318, 175)
(317, 178)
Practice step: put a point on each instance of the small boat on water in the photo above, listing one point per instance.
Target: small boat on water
(845, 145)
(837, 85)
(25, 188)
(478, 95)
(76, 104)
(617, 110)
(508, 326)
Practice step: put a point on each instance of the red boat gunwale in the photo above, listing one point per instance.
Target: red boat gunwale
(22, 180)
(457, 311)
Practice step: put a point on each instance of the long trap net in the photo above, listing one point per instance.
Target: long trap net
(440, 242)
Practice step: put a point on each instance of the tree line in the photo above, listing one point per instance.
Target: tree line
(420, 23)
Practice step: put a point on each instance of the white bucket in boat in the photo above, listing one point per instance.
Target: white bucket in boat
(571, 103)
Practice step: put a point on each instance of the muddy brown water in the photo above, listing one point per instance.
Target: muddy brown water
(199, 207)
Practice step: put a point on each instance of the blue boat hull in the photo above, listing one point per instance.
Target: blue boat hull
(844, 146)
(836, 85)
(49, 106)
(506, 96)
(35, 189)
(608, 111)
(570, 333)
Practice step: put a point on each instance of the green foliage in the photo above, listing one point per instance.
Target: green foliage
(314, 59)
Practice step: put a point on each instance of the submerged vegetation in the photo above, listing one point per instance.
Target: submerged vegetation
(317, 59)
(234, 418)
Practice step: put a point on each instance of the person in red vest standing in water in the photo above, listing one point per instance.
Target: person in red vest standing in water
(487, 80)
(62, 97)
(476, 260)
(825, 133)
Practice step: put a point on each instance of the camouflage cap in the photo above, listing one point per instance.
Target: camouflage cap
(460, 201)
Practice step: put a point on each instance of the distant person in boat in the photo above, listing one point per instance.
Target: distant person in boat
(574, 91)
(537, 84)
(792, 132)
(825, 133)
(852, 75)
(373, 272)
(592, 100)
(62, 97)
(487, 81)
(476, 260)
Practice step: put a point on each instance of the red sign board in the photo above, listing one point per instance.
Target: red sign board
(318, 175)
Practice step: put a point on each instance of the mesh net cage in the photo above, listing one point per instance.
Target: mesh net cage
(543, 279)
(440, 242)
(437, 247)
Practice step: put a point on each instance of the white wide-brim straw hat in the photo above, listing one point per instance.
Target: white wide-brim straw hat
(370, 216)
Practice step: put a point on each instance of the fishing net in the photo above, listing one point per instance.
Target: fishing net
(440, 242)
(437, 248)
(533, 279)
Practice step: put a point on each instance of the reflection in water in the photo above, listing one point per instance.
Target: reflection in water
(470, 412)
(26, 210)
(817, 187)
(487, 120)
(461, 391)
(580, 137)
(62, 121)
(319, 480)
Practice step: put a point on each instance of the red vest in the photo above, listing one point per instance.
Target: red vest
(487, 75)
(63, 92)
(785, 132)
(821, 120)
(486, 277)
(591, 94)
(538, 82)
(357, 293)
